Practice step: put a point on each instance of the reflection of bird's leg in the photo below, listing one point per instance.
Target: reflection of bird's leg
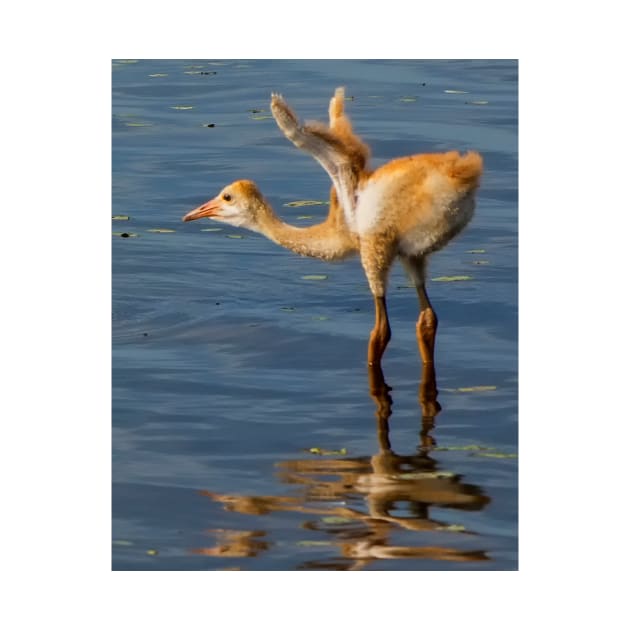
(428, 391)
(379, 391)
(427, 396)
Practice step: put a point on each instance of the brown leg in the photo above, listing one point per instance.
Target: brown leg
(381, 333)
(376, 257)
(426, 327)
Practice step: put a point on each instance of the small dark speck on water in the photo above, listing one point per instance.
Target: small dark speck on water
(218, 303)
(210, 125)
(124, 235)
(145, 334)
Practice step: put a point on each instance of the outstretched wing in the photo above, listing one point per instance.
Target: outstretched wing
(326, 147)
(340, 125)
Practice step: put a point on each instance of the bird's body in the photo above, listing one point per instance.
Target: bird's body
(407, 208)
(421, 199)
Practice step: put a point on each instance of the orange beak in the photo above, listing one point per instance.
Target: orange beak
(208, 209)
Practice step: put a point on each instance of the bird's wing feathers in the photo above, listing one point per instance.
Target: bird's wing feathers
(317, 140)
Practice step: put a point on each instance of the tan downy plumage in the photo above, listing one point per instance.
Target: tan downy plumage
(407, 208)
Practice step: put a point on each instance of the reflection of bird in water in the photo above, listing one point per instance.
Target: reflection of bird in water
(398, 491)
(407, 208)
(388, 479)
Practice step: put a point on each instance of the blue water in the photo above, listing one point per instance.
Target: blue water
(228, 366)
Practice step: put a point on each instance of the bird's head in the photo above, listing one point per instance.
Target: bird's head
(238, 204)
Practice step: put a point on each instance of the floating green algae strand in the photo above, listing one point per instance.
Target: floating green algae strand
(451, 278)
(478, 450)
(315, 450)
(305, 202)
(467, 447)
(498, 455)
(452, 528)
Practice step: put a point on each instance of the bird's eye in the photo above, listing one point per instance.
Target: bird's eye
(227, 197)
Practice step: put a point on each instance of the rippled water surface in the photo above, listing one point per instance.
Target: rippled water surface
(246, 434)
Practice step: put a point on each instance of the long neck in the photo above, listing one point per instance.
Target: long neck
(330, 240)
